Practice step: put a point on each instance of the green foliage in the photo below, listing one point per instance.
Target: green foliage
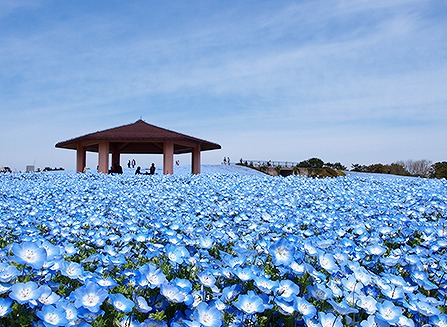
(415, 239)
(439, 170)
(20, 316)
(336, 166)
(159, 315)
(378, 168)
(311, 163)
(228, 318)
(111, 316)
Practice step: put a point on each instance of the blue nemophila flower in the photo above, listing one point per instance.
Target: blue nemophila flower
(265, 284)
(30, 253)
(89, 316)
(72, 270)
(285, 307)
(393, 292)
(206, 242)
(150, 275)
(334, 287)
(53, 252)
(171, 292)
(351, 284)
(307, 309)
(52, 316)
(372, 321)
(287, 289)
(4, 288)
(174, 254)
(106, 282)
(342, 307)
(282, 252)
(131, 322)
(244, 274)
(405, 322)
(141, 304)
(150, 322)
(250, 303)
(421, 278)
(121, 303)
(327, 262)
(90, 297)
(440, 320)
(206, 279)
(185, 288)
(207, 316)
(47, 295)
(329, 320)
(229, 293)
(25, 292)
(70, 249)
(368, 303)
(362, 275)
(5, 307)
(71, 313)
(319, 291)
(376, 249)
(388, 312)
(7, 273)
(427, 309)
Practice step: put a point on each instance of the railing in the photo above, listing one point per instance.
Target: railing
(268, 163)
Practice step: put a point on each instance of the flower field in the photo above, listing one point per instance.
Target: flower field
(222, 250)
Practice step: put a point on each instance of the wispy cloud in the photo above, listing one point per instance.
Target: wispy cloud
(292, 69)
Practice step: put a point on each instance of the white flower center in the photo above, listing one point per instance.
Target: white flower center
(52, 318)
(90, 299)
(30, 255)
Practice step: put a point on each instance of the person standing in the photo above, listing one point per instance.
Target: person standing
(152, 169)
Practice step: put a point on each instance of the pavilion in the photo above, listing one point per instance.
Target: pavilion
(137, 138)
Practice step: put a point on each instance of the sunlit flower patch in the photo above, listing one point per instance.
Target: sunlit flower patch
(222, 250)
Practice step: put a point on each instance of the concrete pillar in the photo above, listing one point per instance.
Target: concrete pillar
(195, 160)
(103, 157)
(168, 158)
(81, 160)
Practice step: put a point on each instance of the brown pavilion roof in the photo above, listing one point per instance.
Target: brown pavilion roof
(138, 137)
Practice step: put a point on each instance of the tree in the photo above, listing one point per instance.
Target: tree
(336, 166)
(397, 169)
(315, 163)
(420, 168)
(358, 167)
(439, 170)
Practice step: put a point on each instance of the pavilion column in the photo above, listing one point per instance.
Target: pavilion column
(103, 157)
(168, 158)
(81, 161)
(195, 160)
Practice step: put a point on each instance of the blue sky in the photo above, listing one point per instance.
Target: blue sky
(347, 81)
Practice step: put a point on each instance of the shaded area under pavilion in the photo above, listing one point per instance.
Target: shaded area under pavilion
(137, 138)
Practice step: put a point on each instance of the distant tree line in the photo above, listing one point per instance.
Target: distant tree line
(417, 168)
